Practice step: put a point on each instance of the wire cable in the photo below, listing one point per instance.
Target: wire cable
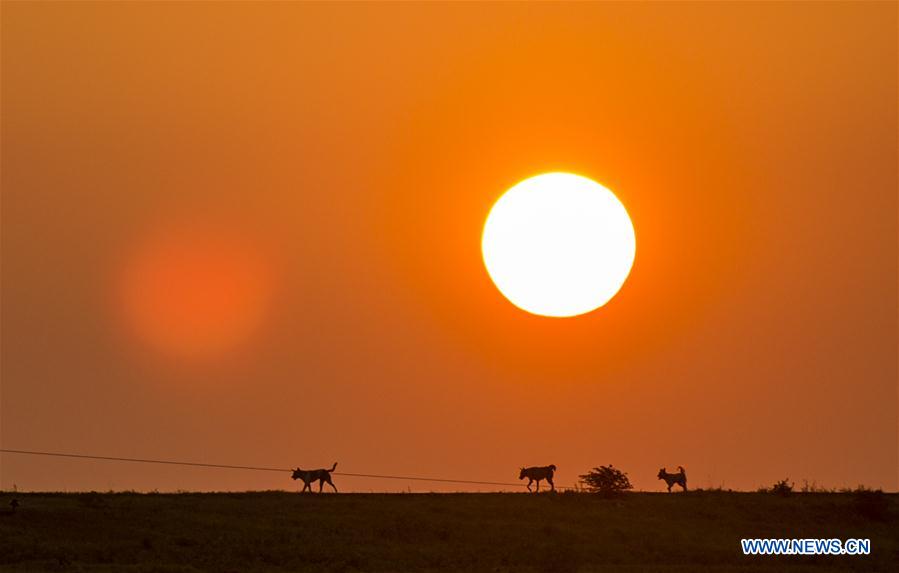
(255, 468)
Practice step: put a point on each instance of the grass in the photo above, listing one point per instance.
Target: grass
(280, 531)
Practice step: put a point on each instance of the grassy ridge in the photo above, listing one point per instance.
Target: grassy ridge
(279, 531)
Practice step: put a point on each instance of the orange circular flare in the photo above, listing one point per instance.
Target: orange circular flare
(196, 291)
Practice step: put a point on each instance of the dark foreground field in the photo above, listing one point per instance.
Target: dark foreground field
(277, 531)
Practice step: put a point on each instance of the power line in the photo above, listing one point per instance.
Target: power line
(143, 461)
(254, 468)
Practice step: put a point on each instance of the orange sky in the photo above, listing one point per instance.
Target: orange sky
(331, 167)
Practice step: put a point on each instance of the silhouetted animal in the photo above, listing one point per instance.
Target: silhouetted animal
(680, 478)
(309, 476)
(536, 474)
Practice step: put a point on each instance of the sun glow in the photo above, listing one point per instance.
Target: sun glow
(558, 245)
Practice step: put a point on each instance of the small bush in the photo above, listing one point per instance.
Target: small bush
(783, 487)
(606, 480)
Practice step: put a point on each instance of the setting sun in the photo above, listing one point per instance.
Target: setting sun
(558, 244)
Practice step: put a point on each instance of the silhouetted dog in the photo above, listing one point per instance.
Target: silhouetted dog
(535, 474)
(680, 478)
(309, 476)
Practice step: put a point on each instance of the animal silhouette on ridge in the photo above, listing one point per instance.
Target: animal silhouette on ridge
(536, 474)
(309, 476)
(680, 478)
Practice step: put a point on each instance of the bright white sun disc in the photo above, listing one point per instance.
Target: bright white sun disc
(558, 244)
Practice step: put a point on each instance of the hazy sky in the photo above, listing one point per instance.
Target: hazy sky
(250, 234)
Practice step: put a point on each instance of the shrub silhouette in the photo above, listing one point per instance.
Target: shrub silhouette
(606, 480)
(783, 487)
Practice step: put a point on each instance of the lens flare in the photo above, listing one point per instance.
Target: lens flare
(195, 291)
